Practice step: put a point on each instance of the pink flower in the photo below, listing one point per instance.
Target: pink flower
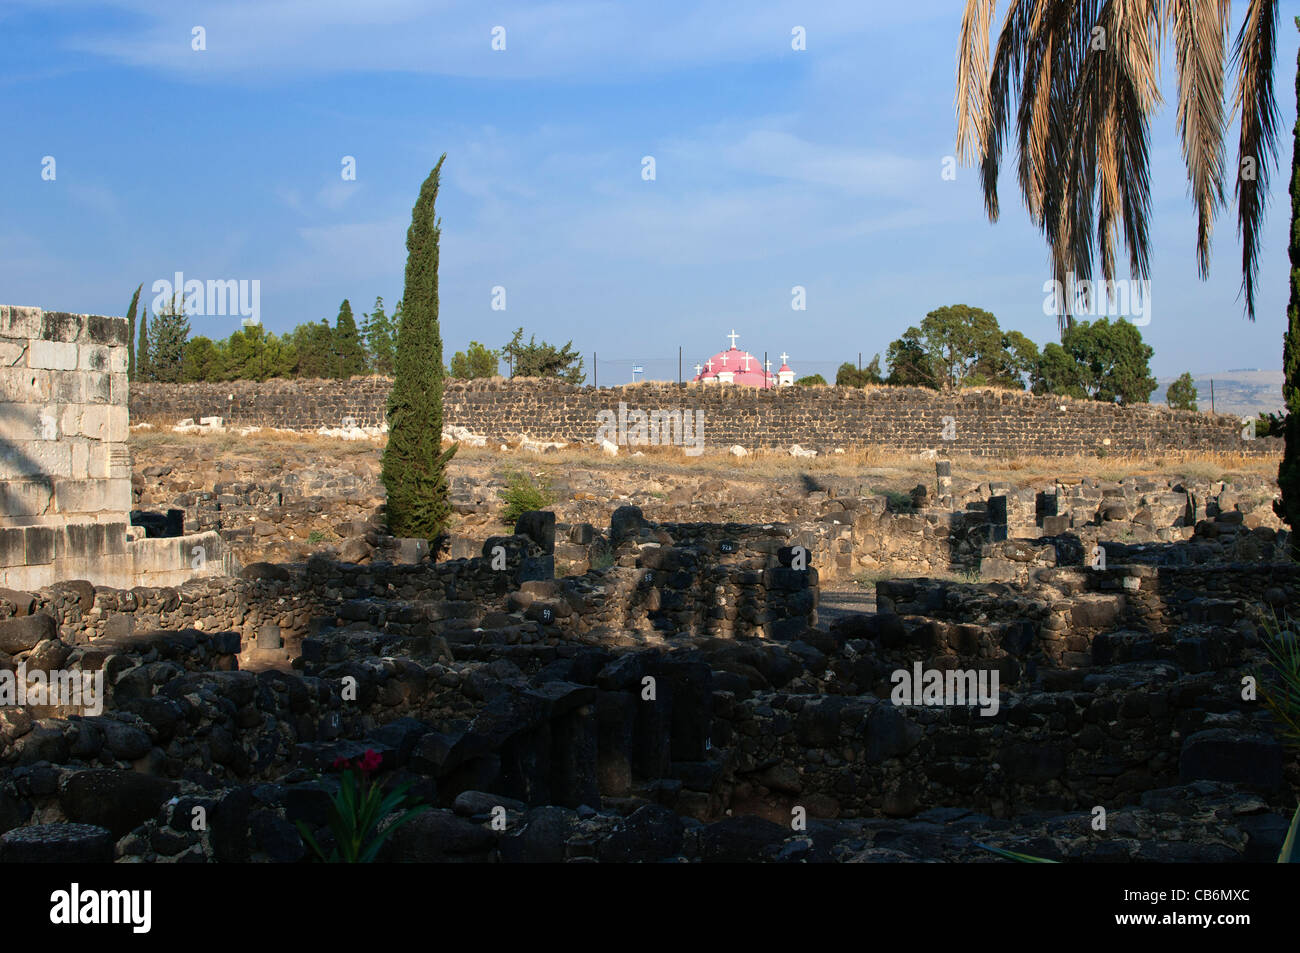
(341, 763)
(370, 761)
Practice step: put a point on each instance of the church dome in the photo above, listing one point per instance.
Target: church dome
(734, 366)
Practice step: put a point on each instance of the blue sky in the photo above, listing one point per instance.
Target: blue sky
(774, 168)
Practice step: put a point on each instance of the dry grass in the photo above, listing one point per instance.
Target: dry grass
(902, 470)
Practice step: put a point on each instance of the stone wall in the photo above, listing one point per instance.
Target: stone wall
(65, 470)
(65, 473)
(983, 422)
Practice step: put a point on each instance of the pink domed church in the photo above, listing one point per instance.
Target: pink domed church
(735, 366)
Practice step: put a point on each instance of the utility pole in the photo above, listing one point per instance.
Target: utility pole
(679, 365)
(1211, 395)
(594, 382)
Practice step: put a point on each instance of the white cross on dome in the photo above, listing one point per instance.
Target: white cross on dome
(784, 357)
(733, 335)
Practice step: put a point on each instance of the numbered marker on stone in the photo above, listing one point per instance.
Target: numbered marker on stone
(648, 688)
(349, 691)
(199, 818)
(798, 818)
(1098, 818)
(798, 558)
(949, 431)
(498, 558)
(498, 818)
(1098, 557)
(199, 557)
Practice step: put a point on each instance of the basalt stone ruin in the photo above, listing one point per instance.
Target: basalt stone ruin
(638, 686)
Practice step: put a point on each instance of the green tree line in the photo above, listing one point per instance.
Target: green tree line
(962, 346)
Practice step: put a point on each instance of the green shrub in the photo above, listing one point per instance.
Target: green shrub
(522, 495)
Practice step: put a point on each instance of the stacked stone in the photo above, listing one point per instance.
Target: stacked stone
(989, 422)
(64, 466)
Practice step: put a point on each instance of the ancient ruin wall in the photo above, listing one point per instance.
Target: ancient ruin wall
(982, 422)
(65, 470)
(65, 473)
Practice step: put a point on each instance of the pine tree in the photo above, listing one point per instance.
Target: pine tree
(349, 352)
(171, 328)
(130, 334)
(379, 337)
(315, 349)
(414, 464)
(143, 369)
(1288, 473)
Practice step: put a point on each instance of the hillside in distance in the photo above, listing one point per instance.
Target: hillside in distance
(1240, 392)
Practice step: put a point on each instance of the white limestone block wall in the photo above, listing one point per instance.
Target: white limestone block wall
(65, 471)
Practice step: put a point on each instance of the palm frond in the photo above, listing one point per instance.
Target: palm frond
(1084, 74)
(1200, 31)
(1254, 53)
(973, 78)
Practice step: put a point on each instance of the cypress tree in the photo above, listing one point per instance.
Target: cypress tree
(130, 334)
(414, 464)
(143, 371)
(350, 354)
(1288, 474)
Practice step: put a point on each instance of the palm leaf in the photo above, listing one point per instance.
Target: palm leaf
(1253, 54)
(1012, 855)
(1288, 855)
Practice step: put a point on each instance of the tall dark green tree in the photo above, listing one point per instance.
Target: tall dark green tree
(171, 329)
(349, 352)
(314, 345)
(415, 465)
(378, 332)
(1288, 474)
(1181, 394)
(143, 369)
(130, 334)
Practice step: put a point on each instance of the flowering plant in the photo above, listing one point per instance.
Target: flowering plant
(357, 810)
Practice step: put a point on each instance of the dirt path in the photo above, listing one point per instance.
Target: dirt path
(835, 604)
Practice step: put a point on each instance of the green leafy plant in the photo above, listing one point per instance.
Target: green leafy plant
(523, 495)
(315, 537)
(357, 811)
(1280, 690)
